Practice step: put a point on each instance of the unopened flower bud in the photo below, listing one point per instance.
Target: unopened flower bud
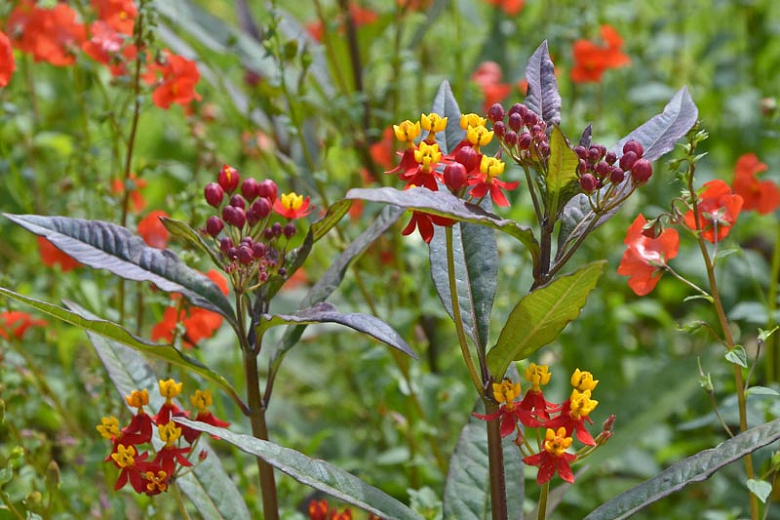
(581, 152)
(634, 146)
(610, 158)
(468, 157)
(214, 225)
(515, 121)
(588, 182)
(237, 201)
(544, 149)
(616, 175)
(214, 194)
(234, 216)
(261, 207)
(225, 244)
(518, 108)
(249, 189)
(496, 112)
(628, 160)
(594, 154)
(602, 169)
(499, 129)
(282, 271)
(510, 138)
(289, 230)
(530, 118)
(641, 171)
(276, 229)
(228, 178)
(455, 176)
(259, 249)
(524, 141)
(582, 166)
(268, 190)
(245, 255)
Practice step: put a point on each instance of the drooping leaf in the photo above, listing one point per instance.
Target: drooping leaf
(467, 490)
(475, 255)
(324, 312)
(696, 468)
(328, 282)
(543, 96)
(541, 315)
(102, 245)
(446, 105)
(657, 136)
(318, 474)
(445, 204)
(561, 180)
(116, 332)
(333, 216)
(208, 486)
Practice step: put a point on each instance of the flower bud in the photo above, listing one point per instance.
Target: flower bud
(581, 152)
(455, 176)
(544, 148)
(261, 207)
(616, 175)
(510, 138)
(524, 141)
(588, 182)
(289, 230)
(245, 254)
(530, 118)
(468, 157)
(228, 178)
(249, 189)
(496, 112)
(259, 249)
(234, 216)
(282, 271)
(582, 166)
(610, 158)
(214, 226)
(237, 201)
(641, 171)
(225, 244)
(634, 146)
(214, 193)
(602, 169)
(268, 190)
(628, 160)
(276, 229)
(499, 128)
(518, 108)
(515, 121)
(594, 154)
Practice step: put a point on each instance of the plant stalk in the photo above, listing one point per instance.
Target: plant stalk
(496, 466)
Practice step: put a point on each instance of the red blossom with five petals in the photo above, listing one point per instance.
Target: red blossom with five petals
(591, 60)
(717, 208)
(645, 257)
(762, 196)
(7, 63)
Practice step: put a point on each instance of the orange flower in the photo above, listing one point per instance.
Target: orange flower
(50, 35)
(179, 77)
(763, 196)
(106, 47)
(510, 7)
(318, 509)
(718, 209)
(382, 151)
(198, 323)
(16, 323)
(645, 257)
(52, 256)
(118, 14)
(591, 60)
(7, 63)
(152, 230)
(488, 76)
(360, 16)
(136, 184)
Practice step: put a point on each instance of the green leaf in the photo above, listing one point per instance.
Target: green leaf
(737, 355)
(759, 488)
(329, 281)
(561, 181)
(316, 473)
(324, 312)
(332, 217)
(102, 245)
(696, 468)
(118, 333)
(446, 105)
(445, 204)
(467, 490)
(182, 230)
(208, 486)
(543, 96)
(541, 315)
(476, 270)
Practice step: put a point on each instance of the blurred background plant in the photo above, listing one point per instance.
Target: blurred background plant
(304, 93)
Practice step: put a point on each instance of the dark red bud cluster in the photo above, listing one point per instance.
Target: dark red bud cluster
(524, 133)
(632, 160)
(596, 167)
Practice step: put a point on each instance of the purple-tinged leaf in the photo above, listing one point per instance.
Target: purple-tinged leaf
(446, 105)
(103, 245)
(316, 473)
(324, 312)
(586, 136)
(543, 96)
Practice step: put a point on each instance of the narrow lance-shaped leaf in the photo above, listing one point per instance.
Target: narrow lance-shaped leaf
(329, 281)
(118, 333)
(324, 312)
(102, 245)
(696, 468)
(446, 105)
(208, 486)
(318, 474)
(561, 181)
(657, 136)
(445, 204)
(541, 315)
(543, 96)
(182, 230)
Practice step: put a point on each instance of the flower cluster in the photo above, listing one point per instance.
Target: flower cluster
(466, 171)
(321, 510)
(249, 231)
(561, 422)
(56, 36)
(154, 476)
(711, 213)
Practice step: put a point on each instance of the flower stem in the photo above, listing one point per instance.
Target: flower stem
(773, 360)
(542, 514)
(496, 466)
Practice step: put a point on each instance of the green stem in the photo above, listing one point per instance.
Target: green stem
(542, 514)
(180, 503)
(464, 346)
(496, 466)
(773, 360)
